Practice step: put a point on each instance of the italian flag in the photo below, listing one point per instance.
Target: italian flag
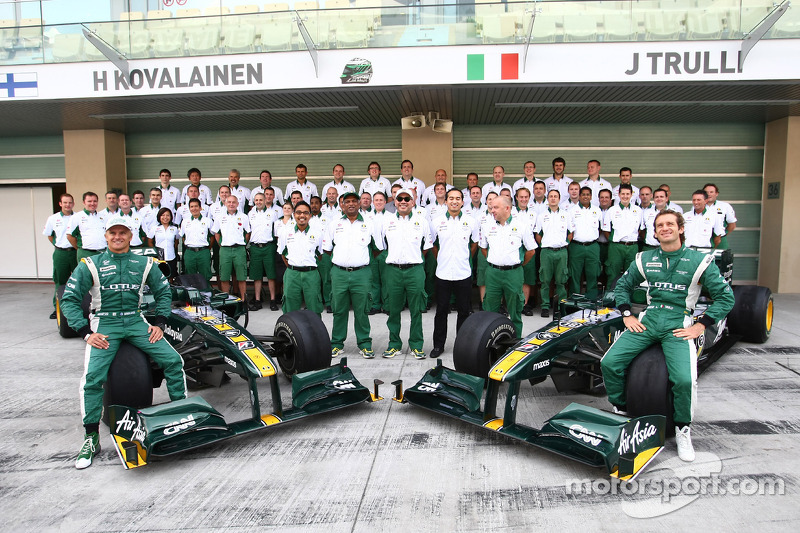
(488, 66)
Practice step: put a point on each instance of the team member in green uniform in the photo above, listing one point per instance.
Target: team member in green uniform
(64, 256)
(196, 233)
(263, 245)
(675, 275)
(116, 278)
(347, 240)
(480, 269)
(554, 229)
(621, 226)
(584, 252)
(523, 197)
(86, 228)
(406, 237)
(301, 245)
(232, 231)
(507, 243)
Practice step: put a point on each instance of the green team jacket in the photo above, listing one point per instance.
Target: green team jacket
(116, 282)
(674, 280)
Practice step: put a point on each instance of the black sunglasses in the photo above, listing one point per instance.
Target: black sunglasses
(403, 198)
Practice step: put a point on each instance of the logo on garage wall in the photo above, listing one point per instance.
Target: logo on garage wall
(357, 70)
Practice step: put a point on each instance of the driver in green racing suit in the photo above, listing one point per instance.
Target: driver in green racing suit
(116, 279)
(675, 275)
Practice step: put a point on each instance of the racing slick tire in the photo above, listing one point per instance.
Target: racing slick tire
(751, 316)
(130, 380)
(304, 344)
(63, 328)
(476, 347)
(648, 390)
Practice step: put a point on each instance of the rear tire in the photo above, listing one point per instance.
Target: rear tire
(63, 328)
(751, 316)
(306, 343)
(473, 351)
(130, 380)
(648, 389)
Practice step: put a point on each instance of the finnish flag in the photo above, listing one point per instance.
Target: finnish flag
(19, 84)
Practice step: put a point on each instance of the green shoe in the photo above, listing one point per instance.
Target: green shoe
(391, 352)
(90, 448)
(336, 352)
(418, 354)
(366, 353)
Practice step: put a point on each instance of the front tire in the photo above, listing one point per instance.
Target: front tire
(306, 343)
(130, 380)
(751, 316)
(648, 389)
(476, 347)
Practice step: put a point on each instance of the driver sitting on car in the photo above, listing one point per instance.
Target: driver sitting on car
(674, 275)
(116, 278)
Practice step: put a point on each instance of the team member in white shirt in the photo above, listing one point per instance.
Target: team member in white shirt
(263, 246)
(138, 200)
(347, 240)
(407, 179)
(300, 245)
(196, 234)
(645, 197)
(149, 212)
(331, 207)
(241, 192)
(625, 175)
(64, 255)
(374, 182)
(433, 210)
(429, 195)
(573, 200)
(133, 218)
(473, 206)
(649, 217)
(672, 206)
(171, 196)
(86, 231)
(306, 188)
(112, 206)
(193, 191)
(472, 181)
(342, 186)
(702, 225)
(558, 180)
(522, 196)
(528, 181)
(553, 230)
(218, 207)
(265, 180)
(455, 238)
(232, 231)
(594, 181)
(164, 236)
(486, 216)
(378, 257)
(406, 237)
(584, 251)
(194, 175)
(497, 184)
(508, 244)
(621, 226)
(724, 211)
(319, 221)
(539, 202)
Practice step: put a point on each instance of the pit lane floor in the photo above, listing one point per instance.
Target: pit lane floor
(390, 467)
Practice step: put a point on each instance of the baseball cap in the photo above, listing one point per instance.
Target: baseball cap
(348, 194)
(404, 190)
(118, 221)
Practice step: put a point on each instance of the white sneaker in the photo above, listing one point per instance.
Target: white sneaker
(683, 438)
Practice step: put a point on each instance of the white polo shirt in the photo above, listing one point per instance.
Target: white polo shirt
(232, 228)
(331, 211)
(372, 186)
(429, 196)
(165, 239)
(277, 190)
(89, 229)
(56, 226)
(183, 212)
(506, 243)
(634, 198)
(724, 211)
(301, 248)
(471, 210)
(435, 210)
(413, 183)
(528, 184)
(672, 206)
(623, 222)
(554, 226)
(343, 187)
(495, 188)
(136, 226)
(453, 236)
(404, 238)
(206, 197)
(562, 185)
(349, 241)
(241, 193)
(596, 187)
(701, 227)
(148, 215)
(307, 189)
(261, 224)
(648, 225)
(216, 209)
(195, 231)
(170, 196)
(587, 222)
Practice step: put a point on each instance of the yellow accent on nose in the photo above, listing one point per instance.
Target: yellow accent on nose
(508, 362)
(495, 424)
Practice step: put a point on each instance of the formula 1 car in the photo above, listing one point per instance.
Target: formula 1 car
(202, 328)
(488, 358)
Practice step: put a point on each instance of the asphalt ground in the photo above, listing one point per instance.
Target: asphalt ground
(390, 467)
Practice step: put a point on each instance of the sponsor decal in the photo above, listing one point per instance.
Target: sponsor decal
(429, 386)
(127, 423)
(528, 347)
(629, 442)
(231, 332)
(245, 345)
(541, 364)
(547, 336)
(107, 268)
(581, 433)
(343, 384)
(357, 70)
(229, 361)
(617, 335)
(654, 265)
(179, 425)
(122, 286)
(176, 335)
(669, 286)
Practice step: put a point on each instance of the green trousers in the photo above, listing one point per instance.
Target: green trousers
(553, 268)
(64, 262)
(197, 262)
(584, 260)
(408, 283)
(97, 362)
(681, 356)
(506, 283)
(299, 286)
(351, 288)
(378, 291)
(723, 243)
(430, 277)
(619, 259)
(324, 264)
